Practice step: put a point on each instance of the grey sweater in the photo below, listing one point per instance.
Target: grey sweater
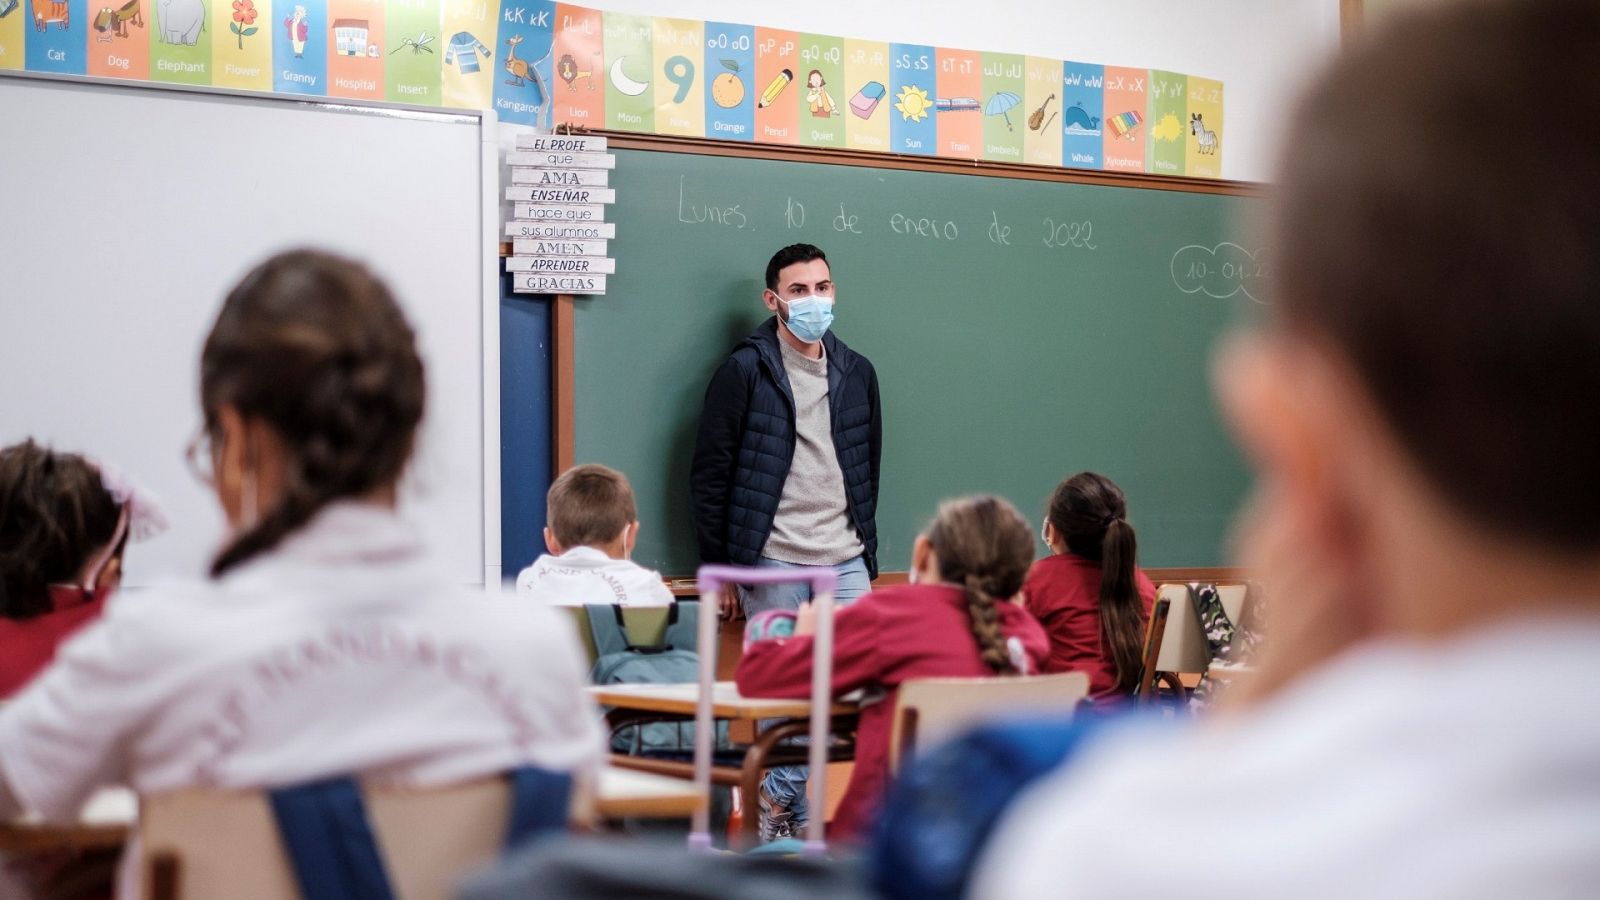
(812, 526)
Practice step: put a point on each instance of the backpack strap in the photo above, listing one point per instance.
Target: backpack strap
(610, 632)
(683, 631)
(329, 841)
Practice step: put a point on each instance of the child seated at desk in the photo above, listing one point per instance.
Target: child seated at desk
(956, 619)
(64, 524)
(593, 529)
(1088, 594)
(326, 642)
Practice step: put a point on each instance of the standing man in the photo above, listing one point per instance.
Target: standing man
(786, 466)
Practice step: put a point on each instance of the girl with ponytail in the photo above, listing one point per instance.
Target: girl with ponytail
(1089, 594)
(956, 619)
(324, 641)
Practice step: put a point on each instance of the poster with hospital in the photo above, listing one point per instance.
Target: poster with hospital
(630, 71)
(356, 48)
(777, 111)
(1041, 97)
(866, 84)
(181, 33)
(411, 63)
(912, 128)
(1123, 129)
(957, 108)
(1083, 111)
(119, 42)
(579, 67)
(821, 77)
(729, 65)
(1203, 144)
(680, 99)
(241, 55)
(1004, 115)
(1168, 94)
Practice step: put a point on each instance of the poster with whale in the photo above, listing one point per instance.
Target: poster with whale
(1082, 114)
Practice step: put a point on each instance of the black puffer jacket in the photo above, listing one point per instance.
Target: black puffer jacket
(746, 442)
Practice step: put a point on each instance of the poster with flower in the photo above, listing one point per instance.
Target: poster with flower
(242, 56)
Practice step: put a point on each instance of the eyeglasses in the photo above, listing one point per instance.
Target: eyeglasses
(198, 455)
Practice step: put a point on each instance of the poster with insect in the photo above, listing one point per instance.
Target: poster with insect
(820, 80)
(1083, 111)
(522, 71)
(1004, 118)
(912, 128)
(958, 108)
(1203, 144)
(241, 54)
(866, 85)
(119, 39)
(411, 62)
(356, 49)
(630, 72)
(1041, 107)
(1123, 131)
(579, 67)
(1168, 96)
(180, 41)
(777, 113)
(680, 100)
(729, 65)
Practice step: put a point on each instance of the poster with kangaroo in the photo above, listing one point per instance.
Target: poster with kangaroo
(522, 92)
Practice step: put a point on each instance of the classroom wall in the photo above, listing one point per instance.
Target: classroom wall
(1260, 49)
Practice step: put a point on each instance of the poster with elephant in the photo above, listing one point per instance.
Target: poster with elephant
(180, 41)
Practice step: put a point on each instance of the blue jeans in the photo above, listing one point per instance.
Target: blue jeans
(787, 784)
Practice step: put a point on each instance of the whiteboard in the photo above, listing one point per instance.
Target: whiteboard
(129, 212)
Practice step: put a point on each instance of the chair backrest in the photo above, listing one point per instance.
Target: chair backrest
(1183, 643)
(928, 710)
(215, 843)
(645, 625)
(1154, 631)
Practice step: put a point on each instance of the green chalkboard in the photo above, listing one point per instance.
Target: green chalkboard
(1022, 330)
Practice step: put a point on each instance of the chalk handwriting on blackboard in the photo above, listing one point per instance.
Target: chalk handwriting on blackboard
(690, 213)
(1079, 235)
(1220, 271)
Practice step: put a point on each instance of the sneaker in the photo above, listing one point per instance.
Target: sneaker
(776, 821)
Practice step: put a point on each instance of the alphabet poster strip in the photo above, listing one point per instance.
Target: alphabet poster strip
(241, 55)
(13, 52)
(867, 105)
(821, 76)
(777, 110)
(57, 42)
(912, 88)
(180, 41)
(1083, 110)
(356, 49)
(730, 67)
(522, 87)
(119, 40)
(1041, 99)
(411, 62)
(1169, 118)
(1124, 127)
(630, 71)
(300, 47)
(467, 59)
(1005, 118)
(679, 96)
(1203, 144)
(958, 109)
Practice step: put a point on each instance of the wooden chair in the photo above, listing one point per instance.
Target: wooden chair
(928, 710)
(1155, 631)
(1176, 646)
(214, 843)
(646, 626)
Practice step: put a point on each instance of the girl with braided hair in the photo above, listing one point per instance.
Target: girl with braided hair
(956, 619)
(326, 641)
(1088, 593)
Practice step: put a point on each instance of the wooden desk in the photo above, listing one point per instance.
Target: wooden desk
(111, 813)
(643, 703)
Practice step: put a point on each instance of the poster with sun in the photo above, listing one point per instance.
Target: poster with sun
(411, 67)
(1123, 131)
(241, 55)
(729, 65)
(1004, 116)
(680, 100)
(1083, 102)
(957, 107)
(580, 67)
(1203, 145)
(630, 69)
(777, 112)
(866, 83)
(1168, 95)
(911, 88)
(1041, 100)
(118, 44)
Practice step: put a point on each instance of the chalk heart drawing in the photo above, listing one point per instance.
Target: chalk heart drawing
(1220, 271)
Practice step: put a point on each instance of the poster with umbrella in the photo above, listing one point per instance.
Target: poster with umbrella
(1001, 105)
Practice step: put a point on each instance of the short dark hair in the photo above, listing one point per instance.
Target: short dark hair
(55, 512)
(1423, 233)
(788, 256)
(589, 505)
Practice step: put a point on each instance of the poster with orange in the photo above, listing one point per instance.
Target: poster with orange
(957, 109)
(1124, 127)
(580, 67)
(777, 64)
(119, 46)
(355, 49)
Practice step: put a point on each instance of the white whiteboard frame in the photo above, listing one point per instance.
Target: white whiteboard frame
(489, 204)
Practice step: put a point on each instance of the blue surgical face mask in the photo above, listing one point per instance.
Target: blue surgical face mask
(809, 317)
